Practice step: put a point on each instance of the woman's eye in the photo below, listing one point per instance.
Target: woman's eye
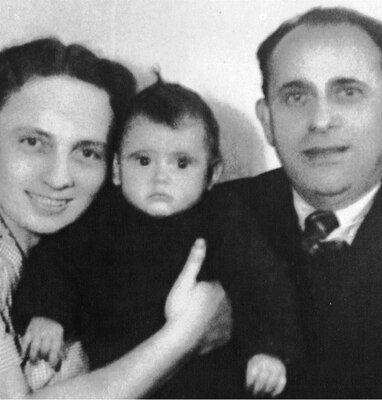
(89, 153)
(31, 143)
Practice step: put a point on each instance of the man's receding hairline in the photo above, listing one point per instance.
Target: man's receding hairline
(312, 24)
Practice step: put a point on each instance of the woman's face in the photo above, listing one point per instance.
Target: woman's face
(53, 134)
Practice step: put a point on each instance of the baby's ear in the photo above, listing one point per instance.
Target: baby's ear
(116, 170)
(216, 174)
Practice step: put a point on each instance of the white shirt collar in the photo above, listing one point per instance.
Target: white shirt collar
(350, 218)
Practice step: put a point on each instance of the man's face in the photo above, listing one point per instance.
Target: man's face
(162, 170)
(324, 112)
(52, 153)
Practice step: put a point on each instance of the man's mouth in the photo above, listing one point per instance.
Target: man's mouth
(314, 153)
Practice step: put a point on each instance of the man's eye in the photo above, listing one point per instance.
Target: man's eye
(183, 162)
(296, 98)
(350, 92)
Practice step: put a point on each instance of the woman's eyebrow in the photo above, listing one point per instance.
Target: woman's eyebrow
(91, 143)
(34, 130)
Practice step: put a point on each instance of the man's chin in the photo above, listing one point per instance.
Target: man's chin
(329, 196)
(323, 183)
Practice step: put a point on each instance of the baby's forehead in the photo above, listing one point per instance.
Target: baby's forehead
(182, 122)
(187, 133)
(144, 126)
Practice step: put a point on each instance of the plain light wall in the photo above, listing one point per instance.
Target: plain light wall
(207, 45)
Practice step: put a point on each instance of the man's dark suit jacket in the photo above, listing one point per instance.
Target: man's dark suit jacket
(341, 294)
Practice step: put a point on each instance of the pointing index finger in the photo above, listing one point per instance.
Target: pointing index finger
(187, 277)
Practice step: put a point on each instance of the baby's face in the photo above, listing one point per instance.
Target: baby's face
(161, 170)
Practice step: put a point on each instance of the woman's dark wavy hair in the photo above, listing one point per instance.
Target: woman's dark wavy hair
(169, 104)
(47, 57)
(314, 17)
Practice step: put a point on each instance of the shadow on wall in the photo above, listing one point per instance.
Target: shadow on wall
(241, 144)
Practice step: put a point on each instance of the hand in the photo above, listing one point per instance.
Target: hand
(265, 374)
(201, 309)
(44, 339)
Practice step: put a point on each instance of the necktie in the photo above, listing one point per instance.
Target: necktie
(318, 226)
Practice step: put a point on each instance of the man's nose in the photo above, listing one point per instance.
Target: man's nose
(322, 116)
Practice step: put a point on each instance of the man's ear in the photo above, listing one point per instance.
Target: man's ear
(264, 115)
(116, 171)
(216, 174)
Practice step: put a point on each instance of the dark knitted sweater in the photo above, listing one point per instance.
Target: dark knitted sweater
(107, 278)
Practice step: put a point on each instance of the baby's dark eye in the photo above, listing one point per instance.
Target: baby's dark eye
(143, 160)
(31, 141)
(183, 162)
